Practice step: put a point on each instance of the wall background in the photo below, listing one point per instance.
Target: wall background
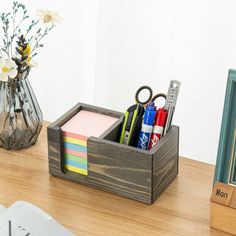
(106, 49)
(66, 71)
(151, 42)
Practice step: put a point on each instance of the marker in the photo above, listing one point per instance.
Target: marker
(159, 124)
(147, 126)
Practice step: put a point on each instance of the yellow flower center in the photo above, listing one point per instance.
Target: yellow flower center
(47, 18)
(5, 69)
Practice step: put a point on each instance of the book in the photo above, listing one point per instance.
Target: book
(25, 219)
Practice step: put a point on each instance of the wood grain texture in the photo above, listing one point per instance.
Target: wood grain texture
(117, 168)
(232, 203)
(82, 106)
(67, 116)
(131, 172)
(55, 150)
(223, 218)
(56, 144)
(222, 193)
(127, 171)
(165, 162)
(183, 209)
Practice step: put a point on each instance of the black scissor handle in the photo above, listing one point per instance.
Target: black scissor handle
(138, 92)
(158, 96)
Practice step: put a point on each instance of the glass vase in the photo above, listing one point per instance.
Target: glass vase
(21, 118)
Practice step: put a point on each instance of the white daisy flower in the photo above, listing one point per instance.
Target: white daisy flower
(8, 69)
(49, 16)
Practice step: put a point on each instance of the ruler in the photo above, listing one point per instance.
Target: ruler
(171, 100)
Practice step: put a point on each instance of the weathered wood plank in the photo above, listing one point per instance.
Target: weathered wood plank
(110, 133)
(120, 169)
(100, 110)
(55, 149)
(114, 167)
(165, 162)
(67, 116)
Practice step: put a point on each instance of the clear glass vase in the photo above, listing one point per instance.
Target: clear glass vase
(21, 119)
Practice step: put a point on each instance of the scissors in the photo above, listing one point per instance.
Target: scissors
(134, 116)
(151, 98)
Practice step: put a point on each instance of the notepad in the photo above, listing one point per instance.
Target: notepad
(76, 132)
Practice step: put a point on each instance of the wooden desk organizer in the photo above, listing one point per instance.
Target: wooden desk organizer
(223, 208)
(124, 170)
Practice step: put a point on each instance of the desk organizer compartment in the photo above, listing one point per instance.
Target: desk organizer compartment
(124, 170)
(75, 137)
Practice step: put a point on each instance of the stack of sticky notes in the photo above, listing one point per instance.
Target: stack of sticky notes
(76, 132)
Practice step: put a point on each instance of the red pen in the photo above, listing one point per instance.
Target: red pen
(159, 124)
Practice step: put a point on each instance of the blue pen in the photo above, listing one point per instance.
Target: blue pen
(147, 126)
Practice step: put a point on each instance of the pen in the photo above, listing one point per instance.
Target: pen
(147, 126)
(159, 124)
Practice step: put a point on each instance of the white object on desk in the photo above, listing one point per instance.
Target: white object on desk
(25, 219)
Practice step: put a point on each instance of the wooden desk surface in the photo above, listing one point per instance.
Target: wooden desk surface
(183, 209)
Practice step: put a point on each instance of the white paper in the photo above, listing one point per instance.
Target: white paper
(25, 219)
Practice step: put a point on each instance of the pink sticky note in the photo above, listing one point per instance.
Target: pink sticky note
(88, 123)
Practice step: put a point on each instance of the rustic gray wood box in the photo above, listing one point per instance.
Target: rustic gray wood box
(124, 170)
